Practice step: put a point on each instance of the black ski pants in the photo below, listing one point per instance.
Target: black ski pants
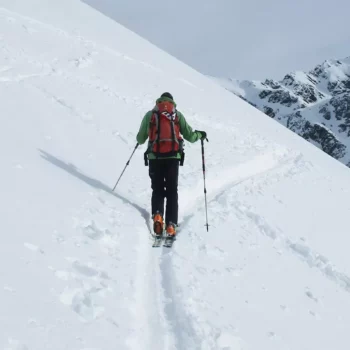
(164, 174)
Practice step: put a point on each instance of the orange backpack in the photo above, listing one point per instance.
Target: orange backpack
(164, 130)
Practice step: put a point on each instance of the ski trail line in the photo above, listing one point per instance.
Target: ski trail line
(159, 308)
(183, 325)
(230, 177)
(150, 322)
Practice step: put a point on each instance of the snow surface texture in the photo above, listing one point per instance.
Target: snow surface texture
(76, 264)
(315, 105)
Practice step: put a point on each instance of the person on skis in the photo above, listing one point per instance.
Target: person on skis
(163, 127)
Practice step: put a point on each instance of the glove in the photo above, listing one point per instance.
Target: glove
(203, 134)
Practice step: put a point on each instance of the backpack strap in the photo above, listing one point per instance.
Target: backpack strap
(158, 123)
(157, 126)
(173, 133)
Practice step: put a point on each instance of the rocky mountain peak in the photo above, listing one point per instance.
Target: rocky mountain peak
(314, 104)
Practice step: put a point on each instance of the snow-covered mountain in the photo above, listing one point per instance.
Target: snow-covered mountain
(76, 263)
(315, 105)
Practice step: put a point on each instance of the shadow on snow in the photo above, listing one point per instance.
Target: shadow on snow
(74, 171)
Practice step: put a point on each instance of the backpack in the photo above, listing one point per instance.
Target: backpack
(164, 131)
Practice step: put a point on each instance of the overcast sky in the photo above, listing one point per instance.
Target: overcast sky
(243, 39)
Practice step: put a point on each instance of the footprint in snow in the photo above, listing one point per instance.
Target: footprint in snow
(84, 269)
(82, 302)
(93, 231)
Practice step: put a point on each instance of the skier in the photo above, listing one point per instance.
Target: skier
(162, 126)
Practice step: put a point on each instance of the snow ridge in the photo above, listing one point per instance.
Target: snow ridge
(315, 105)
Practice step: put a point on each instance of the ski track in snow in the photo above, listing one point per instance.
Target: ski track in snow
(188, 332)
(148, 305)
(161, 300)
(162, 293)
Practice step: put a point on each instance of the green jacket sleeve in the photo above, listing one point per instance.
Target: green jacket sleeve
(142, 135)
(186, 130)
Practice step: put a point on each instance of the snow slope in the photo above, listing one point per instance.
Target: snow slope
(76, 264)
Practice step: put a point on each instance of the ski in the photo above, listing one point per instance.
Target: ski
(168, 241)
(157, 242)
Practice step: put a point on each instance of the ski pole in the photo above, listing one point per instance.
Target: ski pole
(205, 187)
(127, 163)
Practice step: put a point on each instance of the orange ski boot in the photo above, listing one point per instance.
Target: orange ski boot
(158, 224)
(170, 230)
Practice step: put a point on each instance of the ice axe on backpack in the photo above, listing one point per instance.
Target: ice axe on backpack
(127, 163)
